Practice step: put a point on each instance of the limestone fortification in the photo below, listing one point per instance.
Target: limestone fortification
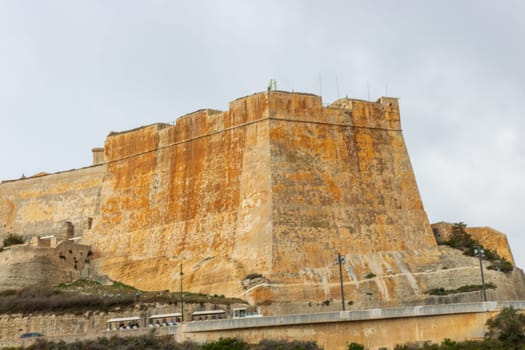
(256, 202)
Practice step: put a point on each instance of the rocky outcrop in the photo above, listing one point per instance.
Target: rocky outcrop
(486, 236)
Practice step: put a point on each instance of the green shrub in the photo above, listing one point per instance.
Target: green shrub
(116, 343)
(460, 239)
(226, 344)
(13, 239)
(437, 291)
(508, 327)
(475, 287)
(355, 346)
(463, 289)
(121, 285)
(283, 345)
(501, 265)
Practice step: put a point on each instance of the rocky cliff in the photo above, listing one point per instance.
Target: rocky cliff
(254, 202)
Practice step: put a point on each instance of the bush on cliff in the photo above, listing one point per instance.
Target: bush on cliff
(463, 289)
(226, 344)
(462, 240)
(355, 346)
(13, 239)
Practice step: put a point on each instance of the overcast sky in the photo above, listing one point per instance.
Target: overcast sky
(72, 71)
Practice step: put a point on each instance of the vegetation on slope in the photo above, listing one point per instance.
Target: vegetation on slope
(13, 239)
(462, 289)
(86, 295)
(462, 240)
(152, 342)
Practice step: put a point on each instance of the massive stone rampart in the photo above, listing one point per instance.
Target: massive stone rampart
(254, 202)
(274, 186)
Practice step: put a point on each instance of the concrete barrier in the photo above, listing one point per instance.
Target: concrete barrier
(375, 328)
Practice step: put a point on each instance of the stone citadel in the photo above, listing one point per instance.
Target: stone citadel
(256, 202)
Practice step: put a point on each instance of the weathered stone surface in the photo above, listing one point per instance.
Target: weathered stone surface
(486, 236)
(89, 325)
(275, 186)
(42, 205)
(24, 265)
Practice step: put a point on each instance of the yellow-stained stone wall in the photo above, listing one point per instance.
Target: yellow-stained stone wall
(42, 205)
(196, 193)
(276, 186)
(254, 202)
(341, 182)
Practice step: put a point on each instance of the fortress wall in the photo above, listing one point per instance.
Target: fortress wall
(42, 205)
(23, 265)
(207, 121)
(202, 199)
(290, 106)
(275, 186)
(234, 193)
(341, 188)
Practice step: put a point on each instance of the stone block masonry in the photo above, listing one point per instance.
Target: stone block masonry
(254, 202)
(276, 185)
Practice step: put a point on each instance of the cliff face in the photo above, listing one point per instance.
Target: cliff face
(253, 202)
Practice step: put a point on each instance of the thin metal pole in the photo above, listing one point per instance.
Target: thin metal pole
(480, 255)
(320, 85)
(337, 83)
(341, 281)
(181, 295)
